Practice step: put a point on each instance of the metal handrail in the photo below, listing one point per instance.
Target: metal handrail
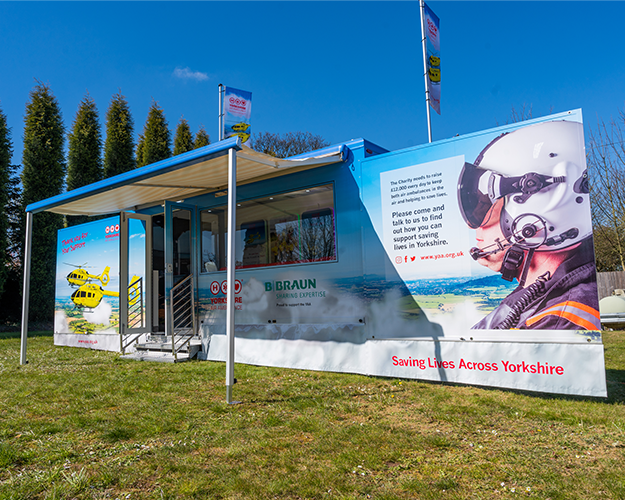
(182, 314)
(135, 304)
(135, 314)
(132, 337)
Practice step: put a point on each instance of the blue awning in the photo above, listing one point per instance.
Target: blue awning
(183, 176)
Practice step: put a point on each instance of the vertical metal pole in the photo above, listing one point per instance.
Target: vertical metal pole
(196, 261)
(230, 267)
(221, 112)
(173, 341)
(26, 289)
(194, 326)
(155, 298)
(425, 69)
(168, 214)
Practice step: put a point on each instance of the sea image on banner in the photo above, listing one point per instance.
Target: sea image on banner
(496, 238)
(87, 278)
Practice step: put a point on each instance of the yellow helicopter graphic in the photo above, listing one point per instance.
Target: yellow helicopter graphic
(80, 276)
(252, 238)
(240, 127)
(89, 295)
(243, 135)
(435, 74)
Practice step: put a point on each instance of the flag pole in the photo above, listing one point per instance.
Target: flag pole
(425, 69)
(221, 112)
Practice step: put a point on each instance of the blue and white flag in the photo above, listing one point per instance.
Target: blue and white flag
(433, 44)
(237, 111)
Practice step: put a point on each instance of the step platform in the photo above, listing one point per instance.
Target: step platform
(158, 349)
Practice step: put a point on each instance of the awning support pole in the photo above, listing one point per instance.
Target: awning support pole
(26, 289)
(230, 270)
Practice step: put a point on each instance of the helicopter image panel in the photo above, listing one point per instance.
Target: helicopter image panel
(87, 285)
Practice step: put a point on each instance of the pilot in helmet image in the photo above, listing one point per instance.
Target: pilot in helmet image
(527, 197)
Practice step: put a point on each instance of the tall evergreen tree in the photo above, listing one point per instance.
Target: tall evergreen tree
(84, 159)
(43, 174)
(140, 144)
(156, 137)
(201, 138)
(6, 151)
(11, 298)
(183, 141)
(119, 146)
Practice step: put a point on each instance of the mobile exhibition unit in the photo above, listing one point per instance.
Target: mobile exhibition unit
(350, 259)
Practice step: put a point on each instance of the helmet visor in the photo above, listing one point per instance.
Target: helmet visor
(473, 198)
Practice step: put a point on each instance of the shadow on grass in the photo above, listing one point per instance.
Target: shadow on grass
(615, 381)
(616, 385)
(318, 396)
(16, 335)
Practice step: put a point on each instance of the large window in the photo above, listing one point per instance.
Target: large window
(288, 228)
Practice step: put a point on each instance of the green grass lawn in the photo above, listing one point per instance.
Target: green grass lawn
(76, 423)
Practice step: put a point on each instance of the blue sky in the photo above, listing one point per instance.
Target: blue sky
(338, 69)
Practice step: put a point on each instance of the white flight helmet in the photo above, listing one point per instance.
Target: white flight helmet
(540, 172)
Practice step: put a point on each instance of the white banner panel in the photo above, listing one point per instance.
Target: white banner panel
(342, 357)
(558, 368)
(100, 342)
(576, 369)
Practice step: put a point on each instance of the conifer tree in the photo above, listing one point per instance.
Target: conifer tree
(156, 137)
(140, 143)
(84, 159)
(119, 145)
(11, 298)
(6, 151)
(43, 174)
(201, 138)
(183, 141)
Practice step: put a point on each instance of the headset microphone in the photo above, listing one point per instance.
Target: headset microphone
(480, 253)
(477, 254)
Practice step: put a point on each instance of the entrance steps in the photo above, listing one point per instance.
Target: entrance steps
(158, 348)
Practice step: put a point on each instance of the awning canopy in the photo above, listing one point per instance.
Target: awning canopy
(182, 176)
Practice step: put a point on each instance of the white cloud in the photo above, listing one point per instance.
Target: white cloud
(100, 315)
(187, 74)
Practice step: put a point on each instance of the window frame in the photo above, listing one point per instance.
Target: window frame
(270, 265)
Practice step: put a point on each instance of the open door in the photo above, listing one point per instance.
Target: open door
(181, 260)
(135, 288)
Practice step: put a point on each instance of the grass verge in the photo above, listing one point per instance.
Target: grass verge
(81, 424)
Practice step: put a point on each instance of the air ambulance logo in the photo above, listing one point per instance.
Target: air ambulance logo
(216, 287)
